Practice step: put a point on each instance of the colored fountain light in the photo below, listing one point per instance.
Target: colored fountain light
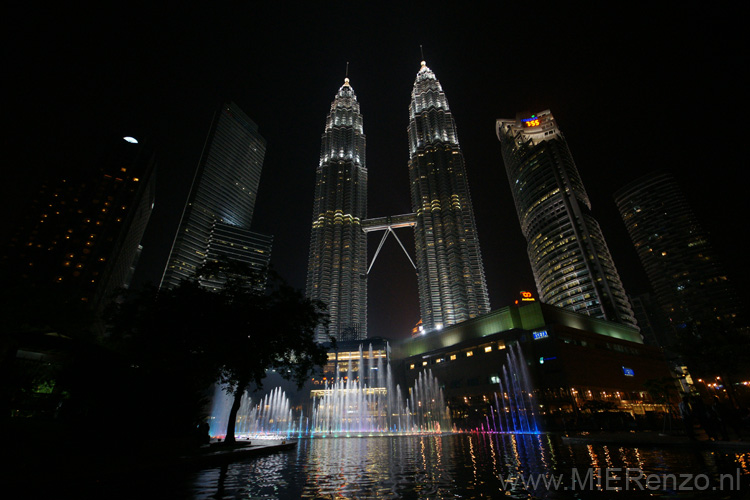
(366, 402)
(271, 417)
(513, 411)
(350, 406)
(353, 405)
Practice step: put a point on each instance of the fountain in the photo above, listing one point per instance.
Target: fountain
(271, 418)
(351, 406)
(513, 411)
(364, 402)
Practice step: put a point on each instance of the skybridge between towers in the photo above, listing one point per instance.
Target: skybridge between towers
(388, 224)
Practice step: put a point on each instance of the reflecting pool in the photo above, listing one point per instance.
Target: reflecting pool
(475, 465)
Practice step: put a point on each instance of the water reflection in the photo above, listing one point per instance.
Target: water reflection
(458, 466)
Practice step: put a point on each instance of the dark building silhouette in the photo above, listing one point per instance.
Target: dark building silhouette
(451, 280)
(216, 220)
(688, 281)
(337, 263)
(572, 265)
(654, 329)
(82, 233)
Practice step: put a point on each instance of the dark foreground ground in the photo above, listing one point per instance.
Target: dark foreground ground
(51, 460)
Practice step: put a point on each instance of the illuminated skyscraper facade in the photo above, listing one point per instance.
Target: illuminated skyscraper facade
(572, 265)
(337, 265)
(688, 281)
(452, 286)
(220, 206)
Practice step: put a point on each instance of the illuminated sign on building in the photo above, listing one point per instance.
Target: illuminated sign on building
(543, 359)
(418, 329)
(540, 335)
(628, 372)
(531, 122)
(526, 297)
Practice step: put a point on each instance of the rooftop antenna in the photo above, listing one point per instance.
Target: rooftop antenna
(421, 51)
(347, 70)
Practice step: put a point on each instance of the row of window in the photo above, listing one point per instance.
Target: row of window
(466, 353)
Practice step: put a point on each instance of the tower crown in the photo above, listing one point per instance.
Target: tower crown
(426, 80)
(430, 118)
(345, 109)
(345, 96)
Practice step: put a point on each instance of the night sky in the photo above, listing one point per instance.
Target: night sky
(634, 88)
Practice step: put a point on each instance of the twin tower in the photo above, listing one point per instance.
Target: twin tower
(452, 286)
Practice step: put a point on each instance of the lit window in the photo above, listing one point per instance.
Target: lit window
(488, 348)
(424, 363)
(469, 354)
(453, 357)
(411, 366)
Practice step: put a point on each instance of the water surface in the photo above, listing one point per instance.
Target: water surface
(475, 466)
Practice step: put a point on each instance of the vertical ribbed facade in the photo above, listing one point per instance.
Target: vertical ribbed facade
(224, 190)
(452, 286)
(337, 265)
(572, 265)
(688, 281)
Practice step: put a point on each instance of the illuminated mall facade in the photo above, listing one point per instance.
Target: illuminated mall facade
(576, 363)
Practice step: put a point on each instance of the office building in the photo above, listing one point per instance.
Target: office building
(451, 279)
(337, 265)
(83, 232)
(216, 220)
(689, 283)
(572, 266)
(228, 243)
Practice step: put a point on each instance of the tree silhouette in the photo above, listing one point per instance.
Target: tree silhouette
(261, 332)
(189, 337)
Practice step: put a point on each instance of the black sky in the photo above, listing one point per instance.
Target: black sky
(634, 87)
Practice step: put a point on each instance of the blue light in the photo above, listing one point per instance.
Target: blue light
(542, 334)
(628, 372)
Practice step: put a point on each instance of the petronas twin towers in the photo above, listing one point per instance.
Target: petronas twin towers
(451, 279)
(337, 267)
